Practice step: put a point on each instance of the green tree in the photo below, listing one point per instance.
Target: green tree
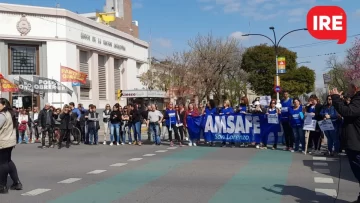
(259, 63)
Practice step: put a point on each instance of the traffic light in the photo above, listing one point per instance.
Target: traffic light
(119, 93)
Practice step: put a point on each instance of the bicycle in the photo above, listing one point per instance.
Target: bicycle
(75, 135)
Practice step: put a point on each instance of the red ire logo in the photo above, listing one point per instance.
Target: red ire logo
(327, 23)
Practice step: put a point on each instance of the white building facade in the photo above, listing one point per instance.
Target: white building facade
(38, 40)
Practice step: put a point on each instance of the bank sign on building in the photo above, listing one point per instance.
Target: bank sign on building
(37, 41)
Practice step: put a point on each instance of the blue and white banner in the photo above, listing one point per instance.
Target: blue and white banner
(242, 128)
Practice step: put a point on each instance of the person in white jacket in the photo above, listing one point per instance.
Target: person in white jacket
(106, 119)
(23, 126)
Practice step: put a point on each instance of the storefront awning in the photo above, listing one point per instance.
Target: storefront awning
(143, 93)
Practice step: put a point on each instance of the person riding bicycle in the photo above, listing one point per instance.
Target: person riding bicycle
(47, 122)
(68, 119)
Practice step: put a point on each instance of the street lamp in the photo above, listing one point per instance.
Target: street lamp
(276, 45)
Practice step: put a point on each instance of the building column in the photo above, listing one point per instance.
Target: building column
(110, 80)
(93, 71)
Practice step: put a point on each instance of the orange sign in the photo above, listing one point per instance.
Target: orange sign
(71, 75)
(7, 86)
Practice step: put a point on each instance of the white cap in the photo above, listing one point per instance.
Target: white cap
(257, 103)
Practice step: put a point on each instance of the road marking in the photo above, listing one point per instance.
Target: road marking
(323, 180)
(326, 192)
(119, 164)
(96, 172)
(320, 164)
(321, 170)
(135, 159)
(149, 154)
(319, 158)
(172, 148)
(162, 151)
(35, 192)
(70, 180)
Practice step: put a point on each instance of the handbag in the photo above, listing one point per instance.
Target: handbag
(22, 127)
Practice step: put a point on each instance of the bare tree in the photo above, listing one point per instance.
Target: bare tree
(214, 57)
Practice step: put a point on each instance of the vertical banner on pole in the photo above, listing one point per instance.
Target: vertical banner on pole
(281, 65)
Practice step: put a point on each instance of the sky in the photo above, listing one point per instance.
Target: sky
(170, 24)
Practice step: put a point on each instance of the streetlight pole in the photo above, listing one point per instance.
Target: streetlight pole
(276, 46)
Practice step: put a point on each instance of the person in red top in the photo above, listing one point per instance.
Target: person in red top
(194, 113)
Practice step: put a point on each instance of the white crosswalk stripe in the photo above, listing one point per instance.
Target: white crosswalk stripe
(172, 148)
(96, 171)
(135, 159)
(326, 192)
(149, 154)
(320, 164)
(70, 180)
(119, 164)
(319, 158)
(322, 170)
(159, 151)
(36, 192)
(323, 180)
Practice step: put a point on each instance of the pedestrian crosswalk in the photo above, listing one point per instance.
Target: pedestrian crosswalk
(322, 179)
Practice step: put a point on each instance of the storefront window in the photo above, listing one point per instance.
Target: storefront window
(23, 60)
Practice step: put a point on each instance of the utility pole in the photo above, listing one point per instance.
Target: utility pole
(150, 60)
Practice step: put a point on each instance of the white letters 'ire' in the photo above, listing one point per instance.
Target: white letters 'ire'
(325, 21)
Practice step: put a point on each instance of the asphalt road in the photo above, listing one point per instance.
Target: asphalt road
(157, 174)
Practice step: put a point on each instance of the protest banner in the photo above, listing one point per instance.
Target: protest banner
(326, 125)
(243, 128)
(7, 86)
(71, 75)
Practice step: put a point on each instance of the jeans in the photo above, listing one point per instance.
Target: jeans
(137, 131)
(333, 140)
(23, 137)
(125, 131)
(299, 136)
(288, 134)
(106, 130)
(113, 127)
(155, 131)
(129, 132)
(93, 133)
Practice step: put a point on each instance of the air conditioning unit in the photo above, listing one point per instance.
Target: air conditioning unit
(135, 22)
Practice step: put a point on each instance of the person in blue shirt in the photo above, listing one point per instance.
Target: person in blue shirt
(170, 120)
(329, 112)
(296, 116)
(209, 110)
(287, 104)
(226, 111)
(75, 110)
(275, 127)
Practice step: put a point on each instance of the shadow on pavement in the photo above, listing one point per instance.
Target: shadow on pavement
(302, 195)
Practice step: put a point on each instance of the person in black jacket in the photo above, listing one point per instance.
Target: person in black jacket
(66, 125)
(46, 123)
(115, 120)
(351, 127)
(314, 108)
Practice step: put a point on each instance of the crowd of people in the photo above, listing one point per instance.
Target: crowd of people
(122, 125)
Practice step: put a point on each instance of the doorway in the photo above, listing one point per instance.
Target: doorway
(24, 101)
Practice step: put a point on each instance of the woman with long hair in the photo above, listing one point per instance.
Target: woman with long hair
(125, 117)
(7, 144)
(328, 112)
(23, 126)
(297, 122)
(192, 112)
(272, 110)
(66, 120)
(106, 121)
(115, 120)
(226, 111)
(136, 124)
(209, 110)
(313, 109)
(243, 108)
(180, 114)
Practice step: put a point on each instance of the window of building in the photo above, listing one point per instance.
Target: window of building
(138, 68)
(84, 67)
(117, 75)
(23, 60)
(102, 77)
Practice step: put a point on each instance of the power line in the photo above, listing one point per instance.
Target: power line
(317, 55)
(318, 43)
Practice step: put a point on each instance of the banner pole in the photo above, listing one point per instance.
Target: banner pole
(32, 96)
